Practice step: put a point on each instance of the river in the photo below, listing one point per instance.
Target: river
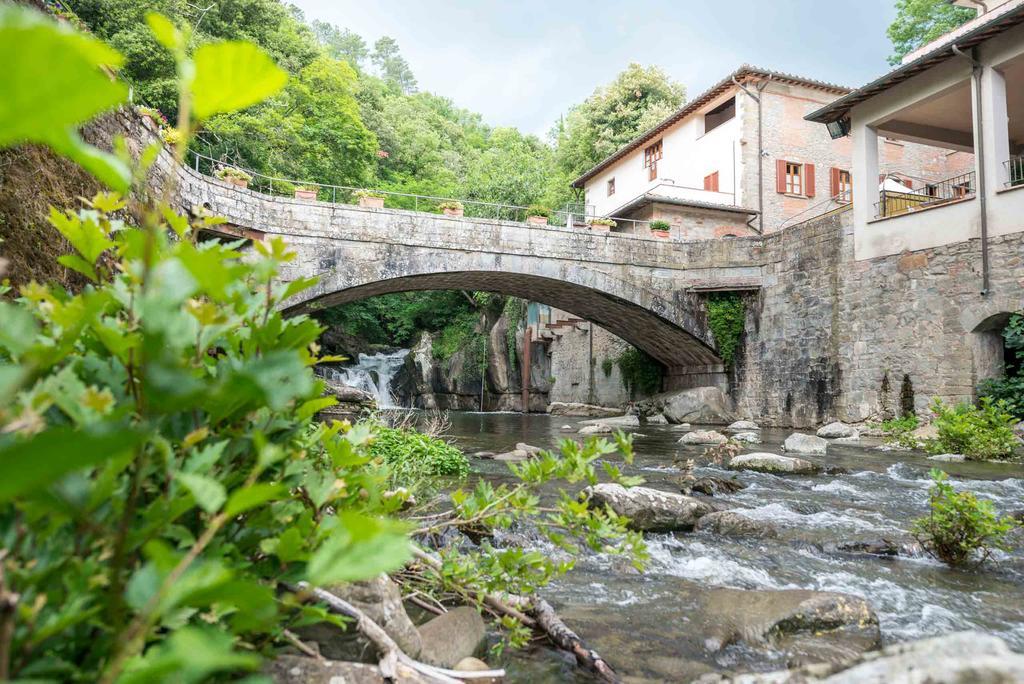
(649, 626)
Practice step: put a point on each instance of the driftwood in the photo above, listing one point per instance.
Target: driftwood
(390, 653)
(544, 620)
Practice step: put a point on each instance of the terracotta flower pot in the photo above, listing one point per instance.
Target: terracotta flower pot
(537, 220)
(240, 182)
(454, 212)
(305, 194)
(598, 228)
(372, 202)
(661, 234)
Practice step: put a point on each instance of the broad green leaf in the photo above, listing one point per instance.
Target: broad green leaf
(233, 75)
(46, 103)
(359, 548)
(208, 493)
(309, 408)
(167, 34)
(39, 461)
(17, 328)
(243, 500)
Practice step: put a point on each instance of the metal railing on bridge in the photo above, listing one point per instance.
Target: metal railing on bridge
(894, 202)
(573, 216)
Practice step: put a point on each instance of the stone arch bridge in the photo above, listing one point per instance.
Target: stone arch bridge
(645, 290)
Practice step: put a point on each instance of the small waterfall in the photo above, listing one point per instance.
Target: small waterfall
(372, 374)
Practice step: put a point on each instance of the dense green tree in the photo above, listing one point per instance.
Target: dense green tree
(392, 66)
(340, 43)
(921, 21)
(512, 169)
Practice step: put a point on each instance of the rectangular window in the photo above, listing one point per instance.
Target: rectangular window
(794, 178)
(652, 155)
(841, 185)
(711, 182)
(611, 187)
(719, 115)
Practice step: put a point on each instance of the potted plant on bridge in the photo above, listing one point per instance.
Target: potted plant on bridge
(306, 191)
(153, 117)
(452, 208)
(602, 225)
(661, 229)
(234, 176)
(537, 215)
(370, 199)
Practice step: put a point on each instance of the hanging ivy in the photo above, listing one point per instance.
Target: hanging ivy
(726, 318)
(640, 372)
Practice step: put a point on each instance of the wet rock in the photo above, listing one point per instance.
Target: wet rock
(891, 447)
(292, 669)
(701, 405)
(558, 408)
(449, 638)
(650, 510)
(350, 399)
(959, 658)
(747, 437)
(836, 430)
(878, 547)
(514, 455)
(743, 426)
(799, 443)
(929, 431)
(656, 419)
(381, 600)
(732, 524)
(1018, 430)
(703, 437)
(811, 626)
(852, 439)
(614, 421)
(681, 426)
(948, 458)
(483, 454)
(528, 448)
(709, 486)
(475, 665)
(773, 463)
(568, 428)
(599, 429)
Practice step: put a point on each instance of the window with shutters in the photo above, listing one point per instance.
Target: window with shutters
(841, 185)
(711, 182)
(611, 187)
(652, 155)
(795, 178)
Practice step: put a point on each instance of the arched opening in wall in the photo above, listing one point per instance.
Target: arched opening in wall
(993, 357)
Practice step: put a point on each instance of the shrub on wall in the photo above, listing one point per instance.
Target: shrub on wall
(640, 372)
(726, 318)
(1010, 388)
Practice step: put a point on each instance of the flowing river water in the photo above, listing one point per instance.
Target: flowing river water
(650, 625)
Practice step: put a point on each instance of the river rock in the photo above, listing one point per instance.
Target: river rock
(835, 430)
(293, 669)
(558, 408)
(1018, 430)
(351, 400)
(747, 437)
(877, 547)
(813, 626)
(708, 486)
(649, 510)
(929, 431)
(381, 600)
(703, 437)
(773, 463)
(614, 421)
(656, 419)
(799, 443)
(528, 448)
(948, 458)
(512, 456)
(475, 665)
(732, 524)
(743, 426)
(701, 405)
(450, 637)
(958, 658)
(599, 429)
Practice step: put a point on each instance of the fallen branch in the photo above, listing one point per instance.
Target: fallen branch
(389, 651)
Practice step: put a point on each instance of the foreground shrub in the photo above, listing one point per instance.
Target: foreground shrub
(900, 431)
(983, 432)
(960, 528)
(413, 455)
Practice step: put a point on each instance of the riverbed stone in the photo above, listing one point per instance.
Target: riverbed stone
(836, 430)
(708, 485)
(747, 437)
(700, 405)
(703, 437)
(471, 664)
(800, 443)
(948, 458)
(876, 548)
(656, 419)
(733, 524)
(649, 510)
(528, 448)
(599, 429)
(559, 408)
(513, 456)
(450, 637)
(773, 463)
(293, 669)
(614, 421)
(743, 426)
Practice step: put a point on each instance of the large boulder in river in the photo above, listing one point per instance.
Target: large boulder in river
(799, 443)
(450, 637)
(703, 437)
(708, 485)
(701, 405)
(733, 524)
(773, 463)
(293, 669)
(598, 429)
(747, 437)
(836, 430)
(649, 510)
(743, 426)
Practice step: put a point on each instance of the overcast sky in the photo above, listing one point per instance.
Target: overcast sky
(524, 62)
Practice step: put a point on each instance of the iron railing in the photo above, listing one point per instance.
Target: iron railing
(572, 216)
(1014, 171)
(835, 203)
(931, 194)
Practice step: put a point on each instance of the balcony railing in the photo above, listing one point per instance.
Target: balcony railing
(894, 202)
(1014, 171)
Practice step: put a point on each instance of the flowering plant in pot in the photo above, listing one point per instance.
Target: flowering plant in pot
(171, 136)
(537, 215)
(370, 199)
(234, 176)
(660, 229)
(306, 191)
(154, 116)
(602, 224)
(453, 208)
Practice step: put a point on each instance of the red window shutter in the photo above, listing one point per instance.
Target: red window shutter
(809, 180)
(711, 182)
(833, 187)
(780, 175)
